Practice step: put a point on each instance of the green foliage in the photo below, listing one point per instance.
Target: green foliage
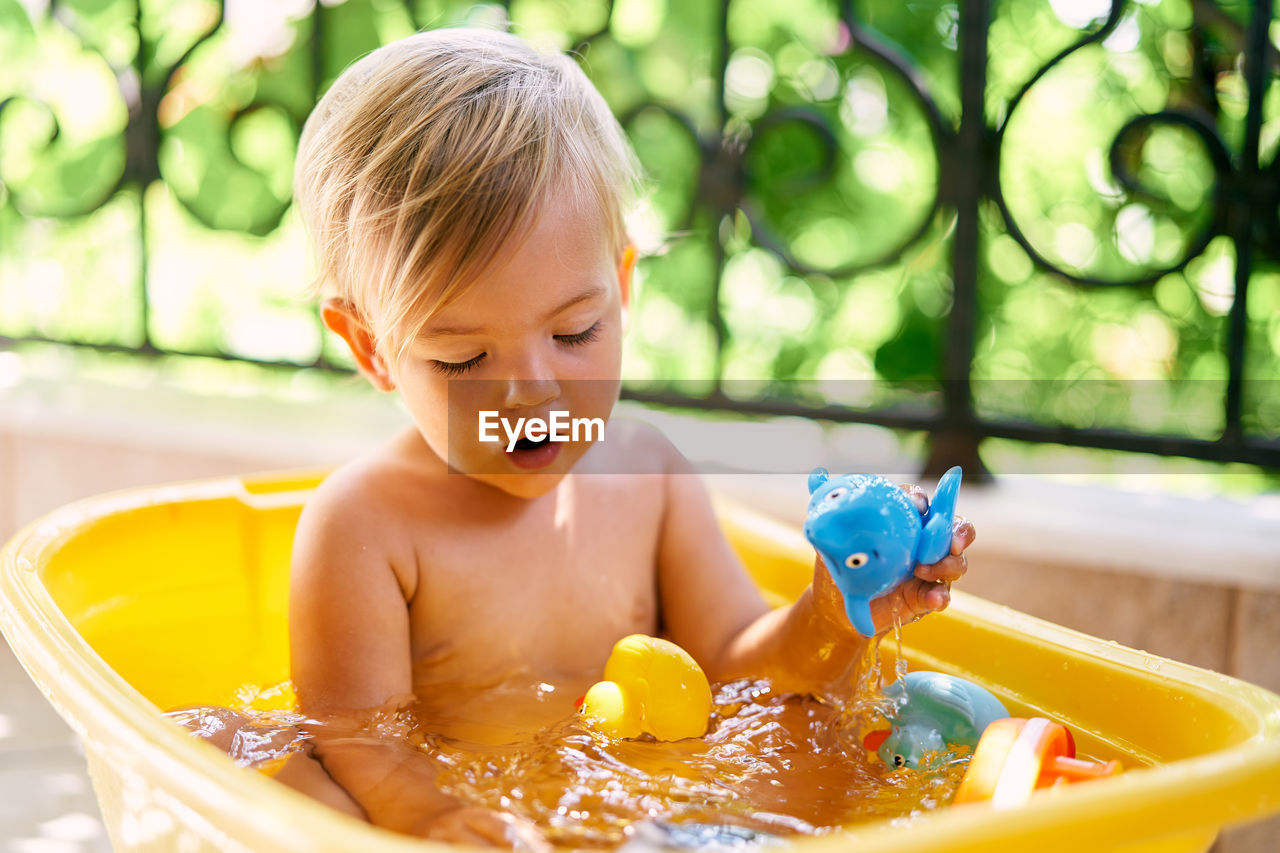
(832, 260)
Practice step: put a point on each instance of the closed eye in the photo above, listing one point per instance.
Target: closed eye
(586, 336)
(456, 368)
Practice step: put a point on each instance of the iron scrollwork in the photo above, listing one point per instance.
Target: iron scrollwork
(967, 154)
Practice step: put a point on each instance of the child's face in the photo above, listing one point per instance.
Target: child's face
(540, 330)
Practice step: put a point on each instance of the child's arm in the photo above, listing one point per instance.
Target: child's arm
(353, 575)
(711, 607)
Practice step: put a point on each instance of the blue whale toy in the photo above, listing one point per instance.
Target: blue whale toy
(936, 711)
(870, 534)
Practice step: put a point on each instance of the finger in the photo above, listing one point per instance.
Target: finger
(912, 600)
(921, 597)
(495, 829)
(938, 597)
(456, 829)
(962, 534)
(950, 568)
(917, 496)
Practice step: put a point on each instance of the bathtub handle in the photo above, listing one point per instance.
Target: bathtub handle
(275, 490)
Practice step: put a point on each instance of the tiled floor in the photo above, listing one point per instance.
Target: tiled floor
(46, 802)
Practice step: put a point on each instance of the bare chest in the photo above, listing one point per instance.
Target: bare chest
(546, 590)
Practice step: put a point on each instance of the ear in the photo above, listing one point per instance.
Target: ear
(816, 478)
(340, 316)
(626, 269)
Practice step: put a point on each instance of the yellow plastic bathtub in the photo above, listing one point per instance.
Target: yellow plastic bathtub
(129, 603)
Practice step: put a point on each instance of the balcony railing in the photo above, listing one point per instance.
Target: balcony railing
(974, 207)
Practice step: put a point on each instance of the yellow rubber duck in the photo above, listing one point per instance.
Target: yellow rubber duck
(650, 685)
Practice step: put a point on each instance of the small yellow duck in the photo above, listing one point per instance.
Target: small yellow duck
(650, 685)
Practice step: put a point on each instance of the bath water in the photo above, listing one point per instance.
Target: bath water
(782, 764)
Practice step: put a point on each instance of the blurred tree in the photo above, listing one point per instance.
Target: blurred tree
(802, 223)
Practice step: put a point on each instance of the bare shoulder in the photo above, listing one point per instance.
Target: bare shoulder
(643, 447)
(358, 495)
(355, 517)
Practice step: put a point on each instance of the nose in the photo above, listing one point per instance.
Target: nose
(532, 384)
(530, 393)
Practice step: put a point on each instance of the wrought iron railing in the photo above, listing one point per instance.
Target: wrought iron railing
(738, 202)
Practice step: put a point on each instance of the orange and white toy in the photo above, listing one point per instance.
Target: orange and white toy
(1016, 756)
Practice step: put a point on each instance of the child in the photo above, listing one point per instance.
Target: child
(465, 195)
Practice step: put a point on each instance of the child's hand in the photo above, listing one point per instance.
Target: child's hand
(476, 825)
(927, 591)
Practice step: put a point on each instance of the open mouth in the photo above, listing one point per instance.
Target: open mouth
(530, 444)
(531, 454)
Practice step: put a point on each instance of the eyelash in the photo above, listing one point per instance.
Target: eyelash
(457, 368)
(583, 337)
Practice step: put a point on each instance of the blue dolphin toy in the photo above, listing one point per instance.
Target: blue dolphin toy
(870, 534)
(936, 711)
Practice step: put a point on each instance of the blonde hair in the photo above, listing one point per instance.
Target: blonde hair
(428, 155)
